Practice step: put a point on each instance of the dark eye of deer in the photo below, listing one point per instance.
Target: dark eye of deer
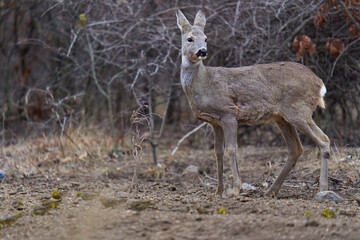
(189, 39)
(205, 39)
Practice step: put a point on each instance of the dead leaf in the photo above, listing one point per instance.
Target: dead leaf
(354, 32)
(303, 44)
(335, 47)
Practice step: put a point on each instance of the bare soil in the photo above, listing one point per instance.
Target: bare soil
(180, 204)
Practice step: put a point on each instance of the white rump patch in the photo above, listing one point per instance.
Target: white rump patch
(323, 91)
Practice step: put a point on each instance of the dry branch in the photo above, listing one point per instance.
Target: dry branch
(185, 137)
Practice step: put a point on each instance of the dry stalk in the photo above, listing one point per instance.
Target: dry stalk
(137, 119)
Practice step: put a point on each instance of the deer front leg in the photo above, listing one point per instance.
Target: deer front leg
(229, 127)
(219, 153)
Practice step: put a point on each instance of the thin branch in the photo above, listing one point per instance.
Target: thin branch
(186, 136)
(337, 59)
(75, 35)
(348, 13)
(51, 8)
(91, 53)
(165, 113)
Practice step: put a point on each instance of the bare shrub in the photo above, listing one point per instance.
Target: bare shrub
(121, 55)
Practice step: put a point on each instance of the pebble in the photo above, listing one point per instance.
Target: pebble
(326, 196)
(191, 169)
(247, 187)
(311, 223)
(122, 196)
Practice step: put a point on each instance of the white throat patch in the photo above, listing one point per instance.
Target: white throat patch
(185, 62)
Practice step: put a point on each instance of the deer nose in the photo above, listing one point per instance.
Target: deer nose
(202, 52)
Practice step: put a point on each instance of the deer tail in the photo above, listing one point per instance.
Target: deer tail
(321, 102)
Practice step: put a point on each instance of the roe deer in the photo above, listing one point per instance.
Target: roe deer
(286, 93)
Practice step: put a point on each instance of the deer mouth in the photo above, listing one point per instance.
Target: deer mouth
(202, 57)
(195, 58)
(199, 57)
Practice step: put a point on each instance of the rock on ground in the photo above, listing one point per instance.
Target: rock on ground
(328, 196)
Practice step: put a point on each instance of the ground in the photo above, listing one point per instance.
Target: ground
(176, 200)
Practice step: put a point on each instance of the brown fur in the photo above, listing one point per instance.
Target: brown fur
(286, 93)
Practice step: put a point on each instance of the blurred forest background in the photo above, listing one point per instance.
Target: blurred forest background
(113, 66)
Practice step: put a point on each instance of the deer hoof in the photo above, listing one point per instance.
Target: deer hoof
(219, 191)
(270, 194)
(229, 192)
(236, 190)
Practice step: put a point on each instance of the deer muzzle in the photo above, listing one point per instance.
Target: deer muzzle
(202, 52)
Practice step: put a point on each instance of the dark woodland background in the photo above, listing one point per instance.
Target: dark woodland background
(111, 65)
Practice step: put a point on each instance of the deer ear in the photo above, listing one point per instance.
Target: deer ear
(182, 22)
(200, 19)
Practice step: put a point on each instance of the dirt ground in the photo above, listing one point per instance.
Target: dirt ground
(177, 201)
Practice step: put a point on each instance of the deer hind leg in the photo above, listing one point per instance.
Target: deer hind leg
(219, 154)
(310, 129)
(229, 127)
(295, 150)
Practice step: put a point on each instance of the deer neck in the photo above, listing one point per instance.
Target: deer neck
(192, 75)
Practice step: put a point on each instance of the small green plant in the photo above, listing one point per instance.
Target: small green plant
(328, 213)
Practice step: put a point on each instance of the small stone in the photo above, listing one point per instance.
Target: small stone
(11, 219)
(247, 187)
(191, 169)
(18, 204)
(51, 203)
(357, 182)
(122, 196)
(180, 209)
(40, 210)
(139, 205)
(311, 223)
(202, 210)
(325, 196)
(109, 201)
(172, 188)
(358, 201)
(87, 195)
(347, 212)
(244, 199)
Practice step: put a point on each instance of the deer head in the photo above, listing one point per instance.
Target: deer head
(193, 38)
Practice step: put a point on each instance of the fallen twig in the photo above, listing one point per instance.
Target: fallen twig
(184, 137)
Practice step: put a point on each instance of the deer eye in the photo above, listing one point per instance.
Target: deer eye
(189, 39)
(205, 39)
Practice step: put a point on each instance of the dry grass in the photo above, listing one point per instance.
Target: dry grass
(90, 151)
(37, 155)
